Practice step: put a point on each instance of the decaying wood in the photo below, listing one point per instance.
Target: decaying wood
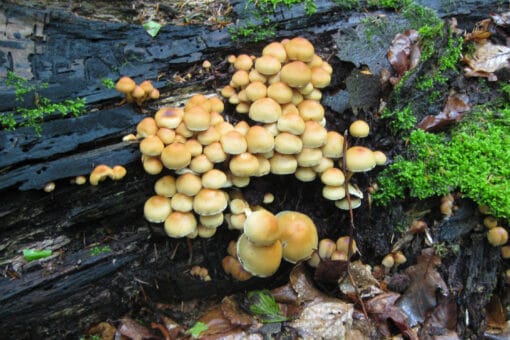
(77, 286)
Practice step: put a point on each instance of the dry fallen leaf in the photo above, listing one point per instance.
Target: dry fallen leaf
(404, 54)
(420, 298)
(456, 106)
(133, 330)
(487, 59)
(384, 312)
(442, 322)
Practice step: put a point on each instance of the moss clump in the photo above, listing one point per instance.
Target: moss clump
(473, 159)
(401, 122)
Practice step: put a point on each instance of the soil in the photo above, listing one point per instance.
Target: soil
(151, 274)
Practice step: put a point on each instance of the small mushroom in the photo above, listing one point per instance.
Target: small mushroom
(299, 235)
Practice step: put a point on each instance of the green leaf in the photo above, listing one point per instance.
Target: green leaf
(33, 254)
(197, 329)
(265, 307)
(152, 28)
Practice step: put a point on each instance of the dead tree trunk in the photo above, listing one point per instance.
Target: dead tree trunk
(104, 252)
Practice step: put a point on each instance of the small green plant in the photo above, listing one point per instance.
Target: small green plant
(197, 329)
(100, 250)
(34, 254)
(265, 307)
(33, 117)
(108, 83)
(400, 121)
(473, 159)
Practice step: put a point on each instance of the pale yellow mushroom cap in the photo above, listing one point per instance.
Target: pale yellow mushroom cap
(300, 48)
(359, 129)
(296, 74)
(314, 135)
(152, 165)
(267, 65)
(215, 153)
(309, 157)
(198, 99)
(333, 148)
(262, 227)
(233, 142)
(265, 110)
(188, 184)
(118, 172)
(200, 164)
(208, 136)
(151, 146)
(283, 164)
(212, 221)
(240, 79)
(197, 118)
(146, 127)
(175, 156)
(243, 62)
(157, 208)
(277, 50)
(288, 144)
(180, 224)
(181, 202)
(169, 117)
(380, 157)
(320, 77)
(262, 261)
(256, 90)
(100, 173)
(292, 123)
(165, 186)
(244, 165)
(259, 139)
(166, 135)
(311, 110)
(214, 179)
(209, 202)
(305, 174)
(333, 177)
(359, 159)
(280, 92)
(299, 235)
(216, 104)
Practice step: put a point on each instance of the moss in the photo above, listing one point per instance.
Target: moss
(473, 159)
(400, 121)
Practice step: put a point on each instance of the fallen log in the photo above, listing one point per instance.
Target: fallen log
(104, 252)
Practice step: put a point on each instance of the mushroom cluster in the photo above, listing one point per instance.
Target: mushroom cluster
(136, 93)
(266, 239)
(333, 250)
(103, 171)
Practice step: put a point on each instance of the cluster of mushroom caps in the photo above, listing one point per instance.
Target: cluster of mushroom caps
(136, 93)
(266, 239)
(281, 92)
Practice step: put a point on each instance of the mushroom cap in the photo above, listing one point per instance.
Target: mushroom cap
(256, 90)
(125, 85)
(324, 164)
(200, 164)
(244, 165)
(262, 227)
(197, 118)
(243, 62)
(265, 110)
(299, 235)
(151, 146)
(146, 127)
(305, 174)
(314, 135)
(180, 224)
(292, 123)
(214, 179)
(169, 117)
(267, 65)
(193, 146)
(309, 157)
(497, 236)
(359, 128)
(320, 77)
(118, 172)
(333, 176)
(359, 159)
(254, 75)
(157, 208)
(288, 144)
(152, 165)
(333, 193)
(326, 248)
(165, 186)
(208, 136)
(311, 110)
(188, 184)
(146, 86)
(283, 164)
(296, 74)
(344, 203)
(380, 157)
(99, 173)
(175, 156)
(259, 139)
(198, 99)
(216, 104)
(277, 50)
(262, 261)
(334, 146)
(300, 48)
(166, 135)
(181, 202)
(240, 79)
(212, 221)
(233, 142)
(215, 153)
(280, 92)
(209, 202)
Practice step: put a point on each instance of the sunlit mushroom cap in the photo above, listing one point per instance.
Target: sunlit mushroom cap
(299, 235)
(265, 110)
(125, 85)
(296, 74)
(259, 139)
(157, 208)
(262, 227)
(262, 261)
(200, 164)
(267, 65)
(175, 156)
(244, 165)
(209, 202)
(359, 159)
(299, 48)
(180, 224)
(276, 49)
